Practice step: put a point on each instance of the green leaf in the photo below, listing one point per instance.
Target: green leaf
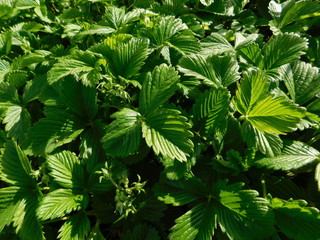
(8, 95)
(216, 44)
(80, 99)
(15, 167)
(185, 43)
(157, 88)
(294, 155)
(66, 170)
(128, 58)
(226, 7)
(123, 135)
(214, 70)
(8, 205)
(295, 219)
(77, 227)
(251, 55)
(269, 144)
(317, 175)
(197, 66)
(211, 108)
(82, 65)
(96, 234)
(245, 203)
(264, 111)
(241, 214)
(58, 128)
(301, 80)
(172, 32)
(141, 232)
(198, 223)
(17, 122)
(167, 132)
(59, 203)
(25, 220)
(292, 11)
(282, 49)
(180, 192)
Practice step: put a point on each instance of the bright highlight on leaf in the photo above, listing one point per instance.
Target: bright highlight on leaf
(264, 111)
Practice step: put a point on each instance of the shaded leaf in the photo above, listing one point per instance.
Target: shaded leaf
(15, 167)
(77, 227)
(295, 219)
(211, 108)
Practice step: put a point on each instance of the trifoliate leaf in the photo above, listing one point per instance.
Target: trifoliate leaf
(123, 135)
(185, 43)
(301, 80)
(294, 155)
(77, 227)
(180, 192)
(198, 223)
(211, 108)
(66, 170)
(282, 49)
(157, 88)
(167, 132)
(15, 167)
(59, 203)
(58, 128)
(295, 219)
(265, 112)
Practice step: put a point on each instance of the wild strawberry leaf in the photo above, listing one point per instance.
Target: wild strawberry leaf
(59, 203)
(295, 219)
(16, 167)
(157, 88)
(167, 132)
(198, 223)
(123, 135)
(282, 49)
(301, 80)
(264, 111)
(66, 170)
(211, 108)
(77, 227)
(294, 155)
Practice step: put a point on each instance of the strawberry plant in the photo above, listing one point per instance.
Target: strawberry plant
(167, 119)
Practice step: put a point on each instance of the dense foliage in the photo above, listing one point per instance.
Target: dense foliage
(168, 119)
